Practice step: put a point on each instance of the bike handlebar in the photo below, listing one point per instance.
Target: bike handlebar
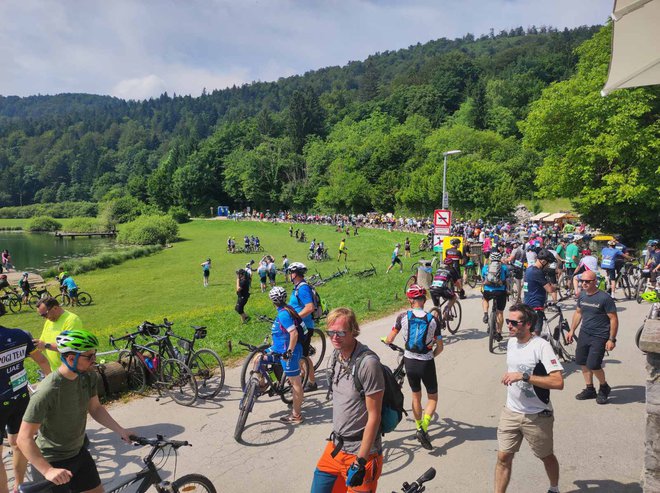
(393, 346)
(252, 347)
(159, 441)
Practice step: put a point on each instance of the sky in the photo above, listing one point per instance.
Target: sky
(137, 49)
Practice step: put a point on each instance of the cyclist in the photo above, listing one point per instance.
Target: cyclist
(587, 263)
(242, 293)
(57, 321)
(612, 259)
(572, 256)
(15, 346)
(517, 262)
(58, 411)
(406, 248)
(257, 243)
(246, 243)
(456, 256)
(312, 246)
(71, 288)
(4, 283)
(272, 270)
(421, 333)
(653, 262)
(538, 286)
(443, 283)
(494, 275)
(342, 250)
(396, 259)
(286, 340)
(319, 250)
(302, 301)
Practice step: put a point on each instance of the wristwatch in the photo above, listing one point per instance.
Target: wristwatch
(613, 339)
(525, 377)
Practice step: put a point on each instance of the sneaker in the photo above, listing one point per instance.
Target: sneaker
(603, 394)
(311, 387)
(587, 393)
(498, 337)
(485, 319)
(423, 438)
(292, 419)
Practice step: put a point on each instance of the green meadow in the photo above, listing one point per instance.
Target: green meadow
(169, 283)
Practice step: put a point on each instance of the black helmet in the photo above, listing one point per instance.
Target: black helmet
(544, 254)
(455, 241)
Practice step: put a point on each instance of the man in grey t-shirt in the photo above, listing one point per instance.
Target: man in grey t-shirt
(597, 311)
(353, 458)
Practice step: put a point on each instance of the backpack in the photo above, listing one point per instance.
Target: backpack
(392, 410)
(494, 274)
(320, 310)
(418, 328)
(298, 322)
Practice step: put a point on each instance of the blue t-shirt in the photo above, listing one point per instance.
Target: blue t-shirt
(536, 294)
(503, 273)
(69, 283)
(281, 337)
(15, 346)
(609, 257)
(302, 295)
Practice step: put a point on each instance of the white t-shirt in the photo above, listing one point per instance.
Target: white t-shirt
(590, 262)
(535, 357)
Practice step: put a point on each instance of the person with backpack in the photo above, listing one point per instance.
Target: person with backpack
(494, 274)
(304, 303)
(288, 332)
(444, 279)
(421, 333)
(352, 460)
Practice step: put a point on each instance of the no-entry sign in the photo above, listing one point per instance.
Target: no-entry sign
(442, 218)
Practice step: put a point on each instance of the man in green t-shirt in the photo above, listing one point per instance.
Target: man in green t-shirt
(58, 411)
(57, 321)
(572, 257)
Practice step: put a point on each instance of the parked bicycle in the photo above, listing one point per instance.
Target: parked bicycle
(84, 298)
(472, 271)
(12, 301)
(366, 272)
(556, 334)
(265, 379)
(149, 475)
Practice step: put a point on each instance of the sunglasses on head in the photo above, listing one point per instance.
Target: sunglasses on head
(513, 323)
(336, 333)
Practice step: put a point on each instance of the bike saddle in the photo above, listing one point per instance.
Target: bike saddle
(198, 327)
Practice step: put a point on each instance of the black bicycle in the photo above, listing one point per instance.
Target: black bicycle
(557, 335)
(265, 379)
(400, 371)
(417, 486)
(366, 272)
(149, 475)
(492, 325)
(449, 318)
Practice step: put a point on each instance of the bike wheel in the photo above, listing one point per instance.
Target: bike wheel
(248, 365)
(14, 305)
(209, 372)
(310, 256)
(639, 289)
(453, 322)
(437, 314)
(567, 350)
(317, 348)
(286, 393)
(33, 300)
(638, 336)
(245, 406)
(193, 483)
(625, 284)
(84, 299)
(411, 280)
(492, 329)
(63, 299)
(472, 277)
(178, 382)
(135, 371)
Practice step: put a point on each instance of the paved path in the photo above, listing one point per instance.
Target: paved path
(600, 448)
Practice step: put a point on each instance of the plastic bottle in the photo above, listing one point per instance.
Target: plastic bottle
(149, 363)
(273, 377)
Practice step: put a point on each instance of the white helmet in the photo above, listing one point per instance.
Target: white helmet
(298, 268)
(277, 295)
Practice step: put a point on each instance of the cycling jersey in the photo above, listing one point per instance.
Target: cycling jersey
(572, 254)
(69, 283)
(281, 330)
(403, 326)
(535, 280)
(609, 257)
(455, 255)
(301, 296)
(15, 346)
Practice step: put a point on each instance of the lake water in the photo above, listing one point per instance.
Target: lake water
(38, 251)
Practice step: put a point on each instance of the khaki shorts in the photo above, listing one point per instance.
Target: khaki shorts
(535, 428)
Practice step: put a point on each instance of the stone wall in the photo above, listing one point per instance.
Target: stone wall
(650, 343)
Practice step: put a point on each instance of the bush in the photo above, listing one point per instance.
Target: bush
(58, 209)
(149, 230)
(43, 223)
(118, 211)
(103, 261)
(179, 214)
(84, 225)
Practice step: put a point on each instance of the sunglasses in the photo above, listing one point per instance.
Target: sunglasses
(336, 333)
(88, 356)
(44, 314)
(587, 281)
(513, 323)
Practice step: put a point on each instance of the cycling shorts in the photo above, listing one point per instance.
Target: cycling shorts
(240, 304)
(271, 275)
(73, 293)
(307, 342)
(421, 371)
(445, 293)
(396, 260)
(11, 413)
(570, 271)
(611, 274)
(518, 273)
(290, 366)
(551, 276)
(498, 296)
(82, 466)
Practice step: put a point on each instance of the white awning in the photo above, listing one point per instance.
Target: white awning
(539, 216)
(554, 217)
(635, 45)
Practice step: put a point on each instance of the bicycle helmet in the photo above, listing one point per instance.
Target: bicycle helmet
(298, 268)
(76, 341)
(569, 237)
(495, 257)
(544, 254)
(651, 297)
(277, 295)
(654, 243)
(25, 274)
(455, 242)
(416, 291)
(398, 244)
(586, 251)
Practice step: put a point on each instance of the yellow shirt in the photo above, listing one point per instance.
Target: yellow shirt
(67, 321)
(342, 245)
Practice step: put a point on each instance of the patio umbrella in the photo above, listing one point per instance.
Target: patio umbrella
(635, 45)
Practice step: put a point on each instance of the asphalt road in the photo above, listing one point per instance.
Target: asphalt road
(599, 447)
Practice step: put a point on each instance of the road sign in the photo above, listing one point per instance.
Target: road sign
(442, 218)
(442, 230)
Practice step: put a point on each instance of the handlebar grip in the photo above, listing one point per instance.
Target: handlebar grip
(180, 443)
(427, 476)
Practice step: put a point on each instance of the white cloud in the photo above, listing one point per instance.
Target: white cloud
(141, 88)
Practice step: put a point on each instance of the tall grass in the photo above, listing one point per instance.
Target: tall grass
(103, 261)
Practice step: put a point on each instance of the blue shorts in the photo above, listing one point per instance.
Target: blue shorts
(290, 366)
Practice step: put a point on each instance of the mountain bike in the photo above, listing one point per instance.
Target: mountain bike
(147, 363)
(206, 365)
(628, 279)
(399, 372)
(265, 379)
(11, 301)
(149, 475)
(492, 325)
(472, 271)
(449, 319)
(366, 272)
(317, 348)
(36, 294)
(84, 298)
(557, 335)
(417, 486)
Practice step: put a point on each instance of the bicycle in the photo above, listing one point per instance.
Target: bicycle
(36, 294)
(565, 287)
(11, 301)
(626, 279)
(84, 298)
(149, 475)
(317, 348)
(557, 336)
(266, 378)
(449, 319)
(399, 372)
(417, 485)
(170, 376)
(472, 271)
(206, 365)
(366, 272)
(492, 325)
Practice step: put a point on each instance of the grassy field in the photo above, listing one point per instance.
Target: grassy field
(169, 284)
(550, 205)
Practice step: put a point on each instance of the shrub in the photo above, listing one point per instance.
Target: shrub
(84, 225)
(149, 230)
(58, 209)
(179, 214)
(118, 211)
(103, 261)
(43, 223)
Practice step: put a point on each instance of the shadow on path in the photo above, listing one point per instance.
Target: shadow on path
(605, 486)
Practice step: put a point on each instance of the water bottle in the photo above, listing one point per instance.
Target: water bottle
(149, 363)
(155, 362)
(273, 377)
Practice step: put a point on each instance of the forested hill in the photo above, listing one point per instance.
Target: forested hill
(366, 136)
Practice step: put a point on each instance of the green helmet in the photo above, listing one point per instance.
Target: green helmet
(76, 341)
(651, 297)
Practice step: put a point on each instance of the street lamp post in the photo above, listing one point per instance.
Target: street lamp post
(445, 198)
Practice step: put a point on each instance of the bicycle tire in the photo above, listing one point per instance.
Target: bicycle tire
(63, 299)
(411, 280)
(135, 372)
(15, 305)
(625, 284)
(414, 267)
(84, 298)
(310, 256)
(245, 407)
(193, 483)
(177, 382)
(639, 290)
(208, 371)
(286, 393)
(472, 277)
(456, 314)
(248, 365)
(638, 336)
(492, 327)
(568, 350)
(437, 314)
(33, 300)
(317, 347)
